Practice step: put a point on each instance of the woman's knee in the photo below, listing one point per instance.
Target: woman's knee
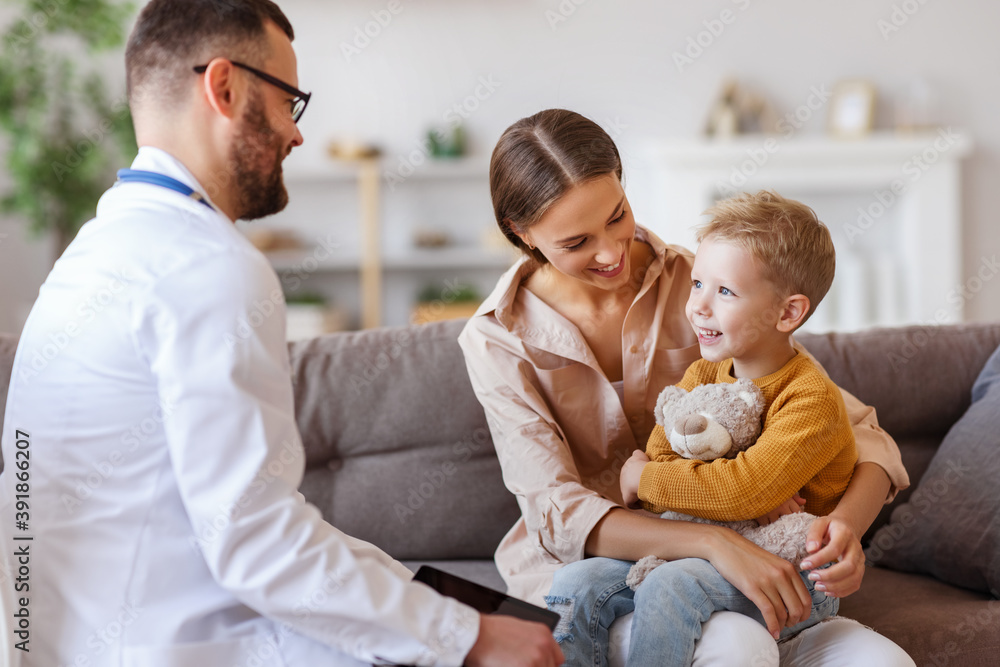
(842, 642)
(729, 638)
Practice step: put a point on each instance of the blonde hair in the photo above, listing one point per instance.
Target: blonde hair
(791, 245)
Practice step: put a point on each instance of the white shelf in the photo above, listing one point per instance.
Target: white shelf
(308, 261)
(397, 194)
(448, 258)
(412, 260)
(893, 147)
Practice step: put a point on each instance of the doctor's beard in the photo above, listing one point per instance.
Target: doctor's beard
(256, 157)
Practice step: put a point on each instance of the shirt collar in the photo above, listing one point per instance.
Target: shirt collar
(151, 158)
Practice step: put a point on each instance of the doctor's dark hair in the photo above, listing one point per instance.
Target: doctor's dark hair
(539, 159)
(171, 37)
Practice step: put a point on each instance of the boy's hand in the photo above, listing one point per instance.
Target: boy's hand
(790, 506)
(630, 477)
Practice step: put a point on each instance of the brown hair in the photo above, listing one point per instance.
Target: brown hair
(537, 160)
(171, 37)
(788, 241)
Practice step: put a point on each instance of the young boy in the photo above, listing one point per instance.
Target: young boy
(763, 265)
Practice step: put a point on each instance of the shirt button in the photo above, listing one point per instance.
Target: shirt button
(633, 349)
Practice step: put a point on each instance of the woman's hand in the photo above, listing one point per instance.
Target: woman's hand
(837, 537)
(831, 539)
(630, 476)
(790, 506)
(771, 583)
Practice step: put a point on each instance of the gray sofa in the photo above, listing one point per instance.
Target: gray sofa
(399, 454)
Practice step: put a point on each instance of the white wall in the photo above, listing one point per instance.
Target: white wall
(613, 61)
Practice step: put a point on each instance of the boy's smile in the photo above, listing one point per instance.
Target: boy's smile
(707, 336)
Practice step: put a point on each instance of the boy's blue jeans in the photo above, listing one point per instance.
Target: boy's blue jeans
(670, 605)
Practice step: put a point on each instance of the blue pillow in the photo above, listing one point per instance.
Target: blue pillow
(950, 527)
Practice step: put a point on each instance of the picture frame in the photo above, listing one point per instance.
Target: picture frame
(852, 109)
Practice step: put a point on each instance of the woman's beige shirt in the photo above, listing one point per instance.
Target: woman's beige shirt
(561, 432)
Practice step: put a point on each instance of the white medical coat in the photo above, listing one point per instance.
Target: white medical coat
(153, 383)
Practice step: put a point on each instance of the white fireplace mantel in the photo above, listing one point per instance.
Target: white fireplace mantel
(891, 201)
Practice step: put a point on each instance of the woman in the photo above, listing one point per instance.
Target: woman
(567, 356)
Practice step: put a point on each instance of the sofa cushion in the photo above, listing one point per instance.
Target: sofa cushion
(951, 526)
(389, 414)
(891, 369)
(483, 572)
(935, 623)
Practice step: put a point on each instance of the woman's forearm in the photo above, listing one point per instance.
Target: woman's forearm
(864, 497)
(626, 535)
(771, 583)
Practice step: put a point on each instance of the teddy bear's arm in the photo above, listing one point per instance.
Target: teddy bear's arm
(658, 447)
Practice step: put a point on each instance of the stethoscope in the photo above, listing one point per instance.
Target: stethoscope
(152, 178)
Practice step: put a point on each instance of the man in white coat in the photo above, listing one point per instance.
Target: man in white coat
(149, 498)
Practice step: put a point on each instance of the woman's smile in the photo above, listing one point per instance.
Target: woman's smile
(613, 270)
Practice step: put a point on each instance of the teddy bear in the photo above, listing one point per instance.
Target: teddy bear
(719, 421)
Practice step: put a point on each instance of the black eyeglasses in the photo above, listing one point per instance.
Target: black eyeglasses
(298, 104)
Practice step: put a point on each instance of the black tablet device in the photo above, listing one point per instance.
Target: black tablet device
(482, 599)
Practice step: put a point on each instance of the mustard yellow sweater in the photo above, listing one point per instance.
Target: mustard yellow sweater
(806, 446)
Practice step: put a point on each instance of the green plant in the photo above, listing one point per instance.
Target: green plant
(450, 293)
(65, 135)
(306, 299)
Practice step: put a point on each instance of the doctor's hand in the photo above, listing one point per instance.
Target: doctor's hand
(505, 641)
(630, 476)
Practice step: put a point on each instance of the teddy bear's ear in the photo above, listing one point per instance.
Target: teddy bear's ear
(666, 402)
